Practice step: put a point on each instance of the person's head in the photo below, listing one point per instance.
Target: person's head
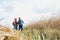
(19, 18)
(15, 19)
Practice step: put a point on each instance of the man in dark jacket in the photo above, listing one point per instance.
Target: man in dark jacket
(20, 22)
(15, 24)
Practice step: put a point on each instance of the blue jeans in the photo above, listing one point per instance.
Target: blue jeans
(15, 27)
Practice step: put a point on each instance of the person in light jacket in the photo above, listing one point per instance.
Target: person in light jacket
(20, 22)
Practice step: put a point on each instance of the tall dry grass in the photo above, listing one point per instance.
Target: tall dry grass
(8, 34)
(48, 29)
(53, 23)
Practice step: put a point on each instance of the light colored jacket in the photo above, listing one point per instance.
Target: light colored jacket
(20, 22)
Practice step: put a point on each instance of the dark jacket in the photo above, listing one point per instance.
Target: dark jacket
(15, 23)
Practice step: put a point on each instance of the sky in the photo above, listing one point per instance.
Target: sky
(28, 10)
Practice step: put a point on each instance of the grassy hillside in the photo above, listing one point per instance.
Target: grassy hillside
(48, 29)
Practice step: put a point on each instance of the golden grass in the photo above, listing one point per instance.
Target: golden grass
(8, 34)
(53, 23)
(48, 29)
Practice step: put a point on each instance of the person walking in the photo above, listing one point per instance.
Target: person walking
(20, 22)
(15, 24)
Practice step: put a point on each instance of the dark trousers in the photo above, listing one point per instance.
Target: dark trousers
(21, 27)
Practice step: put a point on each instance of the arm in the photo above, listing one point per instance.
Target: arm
(22, 21)
(13, 23)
